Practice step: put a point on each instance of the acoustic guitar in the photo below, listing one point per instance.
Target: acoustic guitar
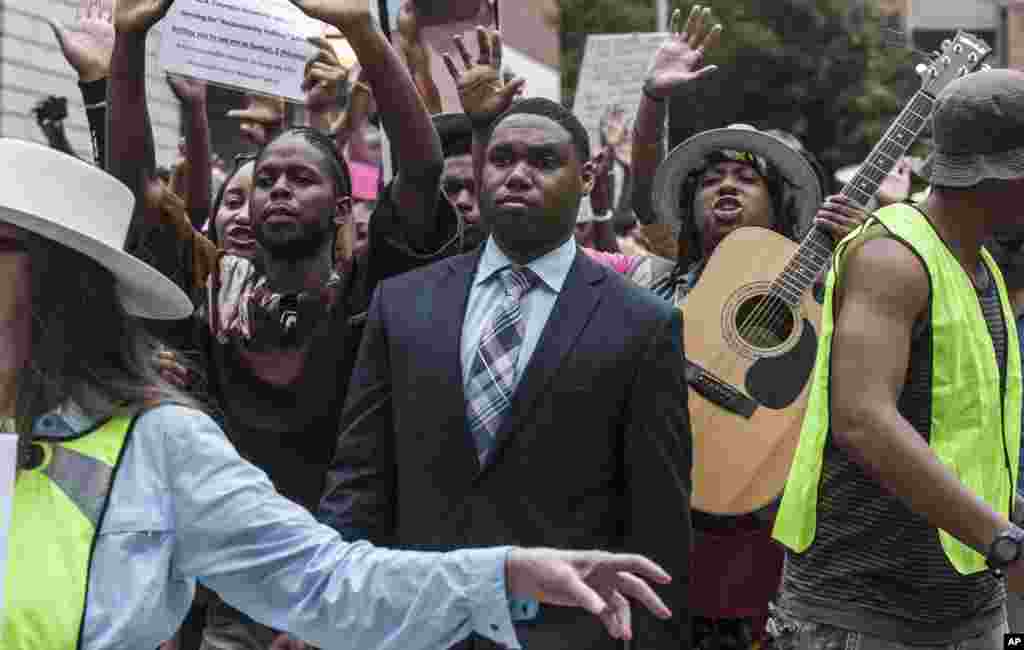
(751, 325)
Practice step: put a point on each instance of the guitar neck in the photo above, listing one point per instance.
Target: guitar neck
(815, 250)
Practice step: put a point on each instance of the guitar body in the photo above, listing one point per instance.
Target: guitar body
(756, 355)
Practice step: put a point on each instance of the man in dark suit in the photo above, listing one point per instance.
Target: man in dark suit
(523, 394)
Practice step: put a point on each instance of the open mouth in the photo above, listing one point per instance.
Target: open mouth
(727, 209)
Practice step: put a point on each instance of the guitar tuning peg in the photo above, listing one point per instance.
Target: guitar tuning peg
(957, 49)
(946, 44)
(972, 58)
(936, 54)
(921, 69)
(962, 72)
(986, 67)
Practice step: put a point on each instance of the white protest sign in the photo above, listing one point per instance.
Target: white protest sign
(8, 472)
(612, 76)
(257, 46)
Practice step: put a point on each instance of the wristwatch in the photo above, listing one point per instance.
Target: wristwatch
(1005, 549)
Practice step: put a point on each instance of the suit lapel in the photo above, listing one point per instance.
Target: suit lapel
(448, 310)
(576, 302)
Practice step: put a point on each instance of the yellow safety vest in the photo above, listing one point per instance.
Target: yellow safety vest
(975, 425)
(58, 509)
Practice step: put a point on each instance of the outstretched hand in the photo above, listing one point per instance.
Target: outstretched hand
(483, 93)
(88, 43)
(138, 16)
(596, 581)
(678, 61)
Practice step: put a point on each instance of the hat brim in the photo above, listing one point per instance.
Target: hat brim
(144, 291)
(691, 156)
(967, 170)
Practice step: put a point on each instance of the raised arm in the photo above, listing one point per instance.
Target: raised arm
(416, 53)
(192, 95)
(482, 91)
(676, 63)
(406, 121)
(87, 44)
(131, 156)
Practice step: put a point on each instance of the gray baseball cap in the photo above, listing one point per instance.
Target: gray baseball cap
(978, 129)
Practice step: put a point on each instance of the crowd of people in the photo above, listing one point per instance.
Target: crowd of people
(282, 404)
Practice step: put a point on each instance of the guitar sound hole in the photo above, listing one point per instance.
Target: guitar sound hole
(764, 321)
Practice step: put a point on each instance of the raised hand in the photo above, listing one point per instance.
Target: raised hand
(346, 15)
(483, 93)
(88, 43)
(414, 50)
(596, 581)
(678, 61)
(188, 91)
(839, 216)
(135, 16)
(323, 74)
(895, 187)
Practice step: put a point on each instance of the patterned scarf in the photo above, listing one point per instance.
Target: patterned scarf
(241, 307)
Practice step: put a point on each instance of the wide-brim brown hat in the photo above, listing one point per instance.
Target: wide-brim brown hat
(801, 181)
(75, 204)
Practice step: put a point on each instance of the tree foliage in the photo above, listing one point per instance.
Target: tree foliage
(820, 69)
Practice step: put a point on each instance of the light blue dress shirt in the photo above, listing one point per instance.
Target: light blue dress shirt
(488, 292)
(185, 507)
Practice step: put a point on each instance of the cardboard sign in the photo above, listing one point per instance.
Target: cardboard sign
(612, 74)
(8, 472)
(611, 78)
(256, 46)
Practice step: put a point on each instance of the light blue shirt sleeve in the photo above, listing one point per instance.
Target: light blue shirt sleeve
(269, 558)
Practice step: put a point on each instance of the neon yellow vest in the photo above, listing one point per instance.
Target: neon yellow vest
(57, 510)
(975, 430)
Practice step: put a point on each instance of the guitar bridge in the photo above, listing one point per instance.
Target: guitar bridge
(719, 392)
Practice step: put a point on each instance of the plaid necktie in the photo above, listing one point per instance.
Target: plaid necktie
(492, 375)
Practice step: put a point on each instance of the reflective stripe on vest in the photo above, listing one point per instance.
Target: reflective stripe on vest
(57, 510)
(975, 427)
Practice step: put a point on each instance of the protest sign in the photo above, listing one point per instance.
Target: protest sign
(611, 78)
(8, 472)
(612, 74)
(256, 46)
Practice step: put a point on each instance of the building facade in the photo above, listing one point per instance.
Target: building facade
(928, 22)
(32, 68)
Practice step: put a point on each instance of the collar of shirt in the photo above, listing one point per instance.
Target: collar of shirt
(552, 268)
(65, 421)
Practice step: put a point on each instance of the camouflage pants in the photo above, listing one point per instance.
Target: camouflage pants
(787, 633)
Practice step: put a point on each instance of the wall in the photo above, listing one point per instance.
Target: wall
(34, 68)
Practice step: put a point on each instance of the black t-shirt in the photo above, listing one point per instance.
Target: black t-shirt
(290, 432)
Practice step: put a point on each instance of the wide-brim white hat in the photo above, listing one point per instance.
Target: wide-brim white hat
(691, 156)
(75, 204)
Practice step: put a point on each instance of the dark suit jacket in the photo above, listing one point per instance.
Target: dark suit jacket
(594, 454)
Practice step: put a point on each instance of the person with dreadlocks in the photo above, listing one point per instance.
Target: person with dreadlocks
(715, 182)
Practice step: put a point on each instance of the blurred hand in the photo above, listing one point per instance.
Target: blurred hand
(172, 370)
(323, 76)
(88, 43)
(596, 581)
(190, 92)
(895, 186)
(839, 216)
(483, 93)
(138, 16)
(677, 62)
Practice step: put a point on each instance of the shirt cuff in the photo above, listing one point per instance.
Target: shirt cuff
(94, 93)
(490, 611)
